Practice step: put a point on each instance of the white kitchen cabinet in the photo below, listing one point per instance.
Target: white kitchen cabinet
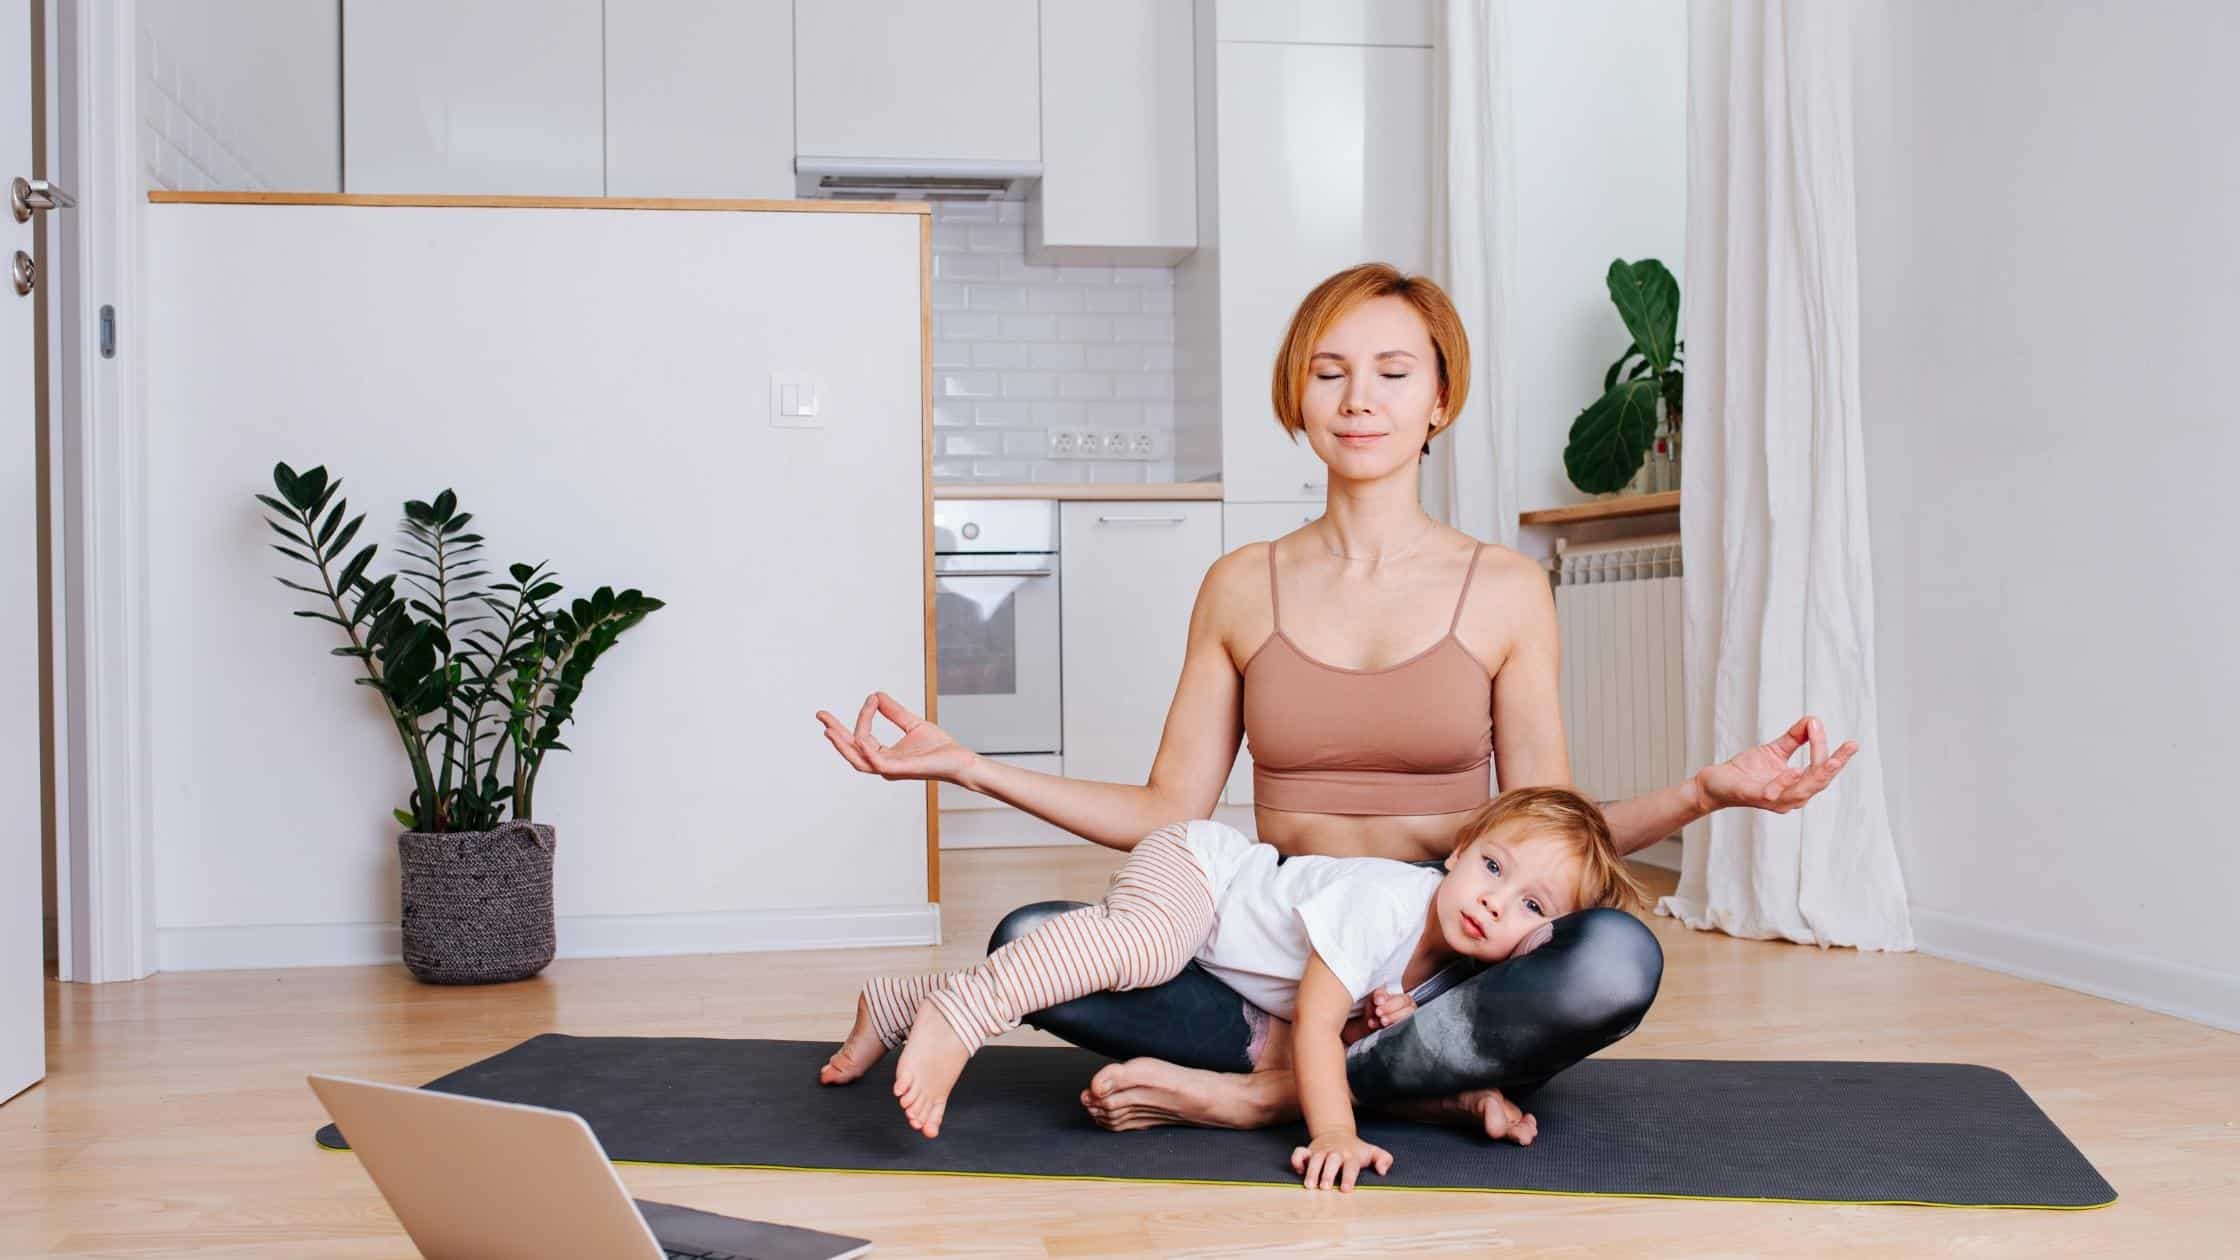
(1401, 22)
(1324, 156)
(492, 96)
(906, 79)
(699, 98)
(1119, 175)
(1243, 523)
(1131, 572)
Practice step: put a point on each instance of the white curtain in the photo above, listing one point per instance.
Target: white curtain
(1470, 478)
(1773, 518)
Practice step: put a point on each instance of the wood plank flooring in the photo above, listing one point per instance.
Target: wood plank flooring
(175, 1120)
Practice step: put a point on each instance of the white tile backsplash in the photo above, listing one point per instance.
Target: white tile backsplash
(1020, 349)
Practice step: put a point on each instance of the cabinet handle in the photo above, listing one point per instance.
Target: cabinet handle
(1140, 520)
(1012, 573)
(1314, 485)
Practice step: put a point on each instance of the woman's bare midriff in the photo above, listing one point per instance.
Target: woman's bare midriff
(1408, 837)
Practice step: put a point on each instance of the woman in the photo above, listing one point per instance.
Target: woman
(1364, 741)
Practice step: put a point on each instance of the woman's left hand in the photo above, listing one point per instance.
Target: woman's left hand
(1762, 777)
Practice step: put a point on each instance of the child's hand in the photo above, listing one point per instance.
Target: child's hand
(1387, 1007)
(1338, 1155)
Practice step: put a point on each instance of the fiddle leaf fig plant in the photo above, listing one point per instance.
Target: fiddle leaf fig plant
(469, 673)
(1611, 437)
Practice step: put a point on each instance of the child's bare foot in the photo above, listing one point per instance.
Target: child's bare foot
(928, 1068)
(855, 1055)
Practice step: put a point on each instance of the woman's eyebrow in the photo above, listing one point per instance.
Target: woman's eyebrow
(1382, 354)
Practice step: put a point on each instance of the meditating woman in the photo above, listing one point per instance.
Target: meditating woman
(1364, 741)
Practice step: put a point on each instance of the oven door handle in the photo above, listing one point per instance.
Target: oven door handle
(1010, 573)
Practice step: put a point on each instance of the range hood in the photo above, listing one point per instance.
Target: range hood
(913, 179)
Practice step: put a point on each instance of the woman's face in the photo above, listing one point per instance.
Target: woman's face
(1372, 391)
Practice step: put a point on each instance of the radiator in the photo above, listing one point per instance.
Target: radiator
(1618, 611)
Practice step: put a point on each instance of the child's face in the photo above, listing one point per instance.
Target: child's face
(1501, 887)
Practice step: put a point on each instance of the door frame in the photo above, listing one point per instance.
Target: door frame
(104, 848)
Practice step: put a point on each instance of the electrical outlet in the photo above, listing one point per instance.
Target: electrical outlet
(1064, 444)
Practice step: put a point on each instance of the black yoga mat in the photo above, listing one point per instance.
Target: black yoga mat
(1943, 1134)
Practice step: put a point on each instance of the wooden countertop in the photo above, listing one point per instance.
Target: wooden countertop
(1077, 491)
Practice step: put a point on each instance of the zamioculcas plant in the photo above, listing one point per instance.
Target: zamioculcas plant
(468, 674)
(1612, 436)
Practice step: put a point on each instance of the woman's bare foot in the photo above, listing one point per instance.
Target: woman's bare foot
(1478, 1109)
(1146, 1093)
(855, 1055)
(928, 1068)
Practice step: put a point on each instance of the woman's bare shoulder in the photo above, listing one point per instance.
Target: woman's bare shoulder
(1510, 604)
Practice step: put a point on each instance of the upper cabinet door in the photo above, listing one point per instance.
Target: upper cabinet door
(700, 98)
(1324, 163)
(1119, 139)
(909, 79)
(495, 96)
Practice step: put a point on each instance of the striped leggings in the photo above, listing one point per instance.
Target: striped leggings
(1153, 918)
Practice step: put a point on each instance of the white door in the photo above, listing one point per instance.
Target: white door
(23, 1042)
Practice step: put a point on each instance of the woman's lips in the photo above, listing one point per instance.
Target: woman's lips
(1360, 439)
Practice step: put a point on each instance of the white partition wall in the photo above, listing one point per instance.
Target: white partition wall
(595, 383)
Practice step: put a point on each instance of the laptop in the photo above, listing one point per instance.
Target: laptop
(473, 1179)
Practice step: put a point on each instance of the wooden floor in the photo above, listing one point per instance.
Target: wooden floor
(175, 1120)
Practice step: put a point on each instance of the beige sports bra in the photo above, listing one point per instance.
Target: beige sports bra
(1411, 738)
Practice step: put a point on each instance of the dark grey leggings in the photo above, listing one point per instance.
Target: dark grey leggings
(1509, 1026)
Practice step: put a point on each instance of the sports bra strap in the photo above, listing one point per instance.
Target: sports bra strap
(1275, 606)
(1469, 573)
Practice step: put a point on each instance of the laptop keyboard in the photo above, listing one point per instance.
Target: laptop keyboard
(671, 1253)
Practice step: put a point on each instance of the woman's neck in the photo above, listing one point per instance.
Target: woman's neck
(1373, 522)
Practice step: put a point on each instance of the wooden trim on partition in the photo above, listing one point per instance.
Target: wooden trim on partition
(1605, 509)
(1079, 491)
(166, 197)
(925, 466)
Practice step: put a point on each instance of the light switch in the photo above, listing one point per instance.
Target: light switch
(793, 400)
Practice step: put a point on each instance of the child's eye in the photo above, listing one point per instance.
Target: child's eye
(1493, 866)
(1534, 906)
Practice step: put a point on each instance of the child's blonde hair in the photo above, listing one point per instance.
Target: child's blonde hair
(1604, 878)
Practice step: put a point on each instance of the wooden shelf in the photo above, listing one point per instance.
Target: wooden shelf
(1605, 509)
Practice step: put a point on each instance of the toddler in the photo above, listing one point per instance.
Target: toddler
(1309, 940)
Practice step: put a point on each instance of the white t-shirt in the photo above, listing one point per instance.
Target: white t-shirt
(1364, 916)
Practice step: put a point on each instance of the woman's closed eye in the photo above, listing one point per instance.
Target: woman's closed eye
(1390, 376)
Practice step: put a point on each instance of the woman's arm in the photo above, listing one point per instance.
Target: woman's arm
(1204, 727)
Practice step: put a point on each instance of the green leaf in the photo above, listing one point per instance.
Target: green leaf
(402, 817)
(1648, 300)
(276, 505)
(1611, 437)
(334, 522)
(312, 612)
(356, 566)
(1610, 378)
(297, 555)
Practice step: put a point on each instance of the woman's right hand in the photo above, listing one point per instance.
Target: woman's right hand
(925, 751)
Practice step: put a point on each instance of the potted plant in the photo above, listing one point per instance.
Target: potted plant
(476, 677)
(1611, 438)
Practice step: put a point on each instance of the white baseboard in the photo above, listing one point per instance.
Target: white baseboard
(580, 936)
(1664, 854)
(2205, 997)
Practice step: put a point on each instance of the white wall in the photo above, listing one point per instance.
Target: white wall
(1601, 95)
(2049, 228)
(241, 94)
(611, 416)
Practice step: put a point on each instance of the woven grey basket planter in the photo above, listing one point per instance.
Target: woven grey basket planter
(477, 904)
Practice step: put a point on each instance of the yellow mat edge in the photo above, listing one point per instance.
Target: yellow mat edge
(1363, 1185)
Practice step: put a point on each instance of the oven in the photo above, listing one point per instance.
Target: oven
(995, 565)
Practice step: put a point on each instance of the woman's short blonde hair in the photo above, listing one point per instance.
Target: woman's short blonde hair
(1604, 877)
(1350, 288)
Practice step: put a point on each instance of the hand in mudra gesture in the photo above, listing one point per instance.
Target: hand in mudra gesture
(925, 751)
(1762, 777)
